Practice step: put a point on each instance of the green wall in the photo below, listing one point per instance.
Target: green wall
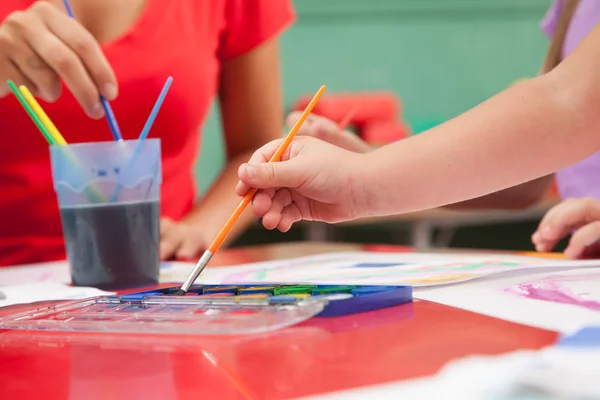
(440, 56)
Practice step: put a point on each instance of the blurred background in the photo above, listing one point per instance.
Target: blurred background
(438, 58)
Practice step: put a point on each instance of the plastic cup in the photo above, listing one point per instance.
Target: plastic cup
(109, 200)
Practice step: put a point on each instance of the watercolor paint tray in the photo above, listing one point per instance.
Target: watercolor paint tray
(209, 309)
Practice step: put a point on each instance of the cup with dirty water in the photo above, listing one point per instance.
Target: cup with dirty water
(109, 199)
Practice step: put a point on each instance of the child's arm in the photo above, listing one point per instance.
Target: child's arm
(526, 132)
(514, 198)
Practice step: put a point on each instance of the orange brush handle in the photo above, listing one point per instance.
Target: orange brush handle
(220, 238)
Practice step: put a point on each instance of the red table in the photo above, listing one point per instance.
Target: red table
(320, 355)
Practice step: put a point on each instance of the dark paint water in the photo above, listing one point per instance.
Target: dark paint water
(113, 246)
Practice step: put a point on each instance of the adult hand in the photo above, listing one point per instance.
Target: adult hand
(42, 45)
(313, 181)
(181, 240)
(581, 215)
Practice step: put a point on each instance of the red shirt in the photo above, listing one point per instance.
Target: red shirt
(187, 39)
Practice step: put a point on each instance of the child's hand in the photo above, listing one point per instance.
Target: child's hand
(327, 130)
(581, 215)
(313, 181)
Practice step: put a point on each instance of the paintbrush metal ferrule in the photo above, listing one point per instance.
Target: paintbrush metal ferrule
(200, 265)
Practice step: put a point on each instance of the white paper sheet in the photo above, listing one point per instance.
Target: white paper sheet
(59, 272)
(43, 272)
(415, 269)
(42, 291)
(500, 296)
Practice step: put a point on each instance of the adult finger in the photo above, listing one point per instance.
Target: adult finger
(70, 68)
(75, 55)
(10, 71)
(81, 41)
(191, 247)
(169, 239)
(33, 71)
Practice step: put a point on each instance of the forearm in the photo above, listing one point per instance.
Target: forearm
(514, 198)
(526, 132)
(220, 201)
(250, 99)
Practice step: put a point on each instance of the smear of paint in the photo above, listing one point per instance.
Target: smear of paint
(553, 290)
(375, 265)
(261, 274)
(408, 273)
(441, 278)
(45, 276)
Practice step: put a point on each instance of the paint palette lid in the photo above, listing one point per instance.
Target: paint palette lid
(208, 309)
(174, 315)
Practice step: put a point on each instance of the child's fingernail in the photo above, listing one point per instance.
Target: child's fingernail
(547, 232)
(251, 171)
(541, 248)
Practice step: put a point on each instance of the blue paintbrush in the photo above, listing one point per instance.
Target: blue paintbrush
(110, 116)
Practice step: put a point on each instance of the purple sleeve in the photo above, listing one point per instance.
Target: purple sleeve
(548, 24)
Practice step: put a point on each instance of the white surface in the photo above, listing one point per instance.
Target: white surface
(415, 269)
(488, 296)
(42, 291)
(59, 272)
(52, 272)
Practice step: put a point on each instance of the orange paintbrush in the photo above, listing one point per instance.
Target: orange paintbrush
(218, 241)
